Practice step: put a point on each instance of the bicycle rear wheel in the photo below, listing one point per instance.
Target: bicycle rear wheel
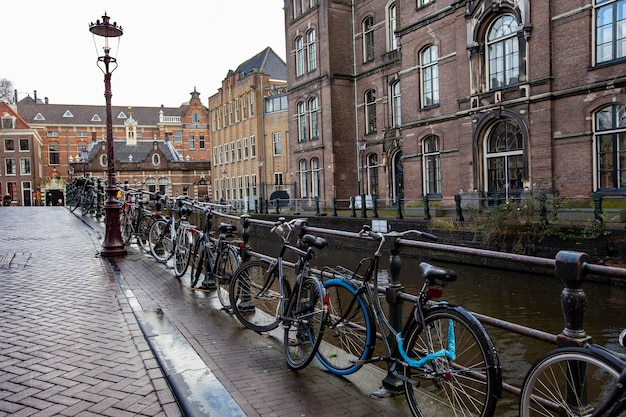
(143, 230)
(568, 382)
(160, 241)
(226, 265)
(350, 333)
(126, 228)
(305, 325)
(255, 295)
(467, 385)
(197, 261)
(182, 252)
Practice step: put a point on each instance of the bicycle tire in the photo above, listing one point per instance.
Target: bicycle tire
(160, 241)
(182, 252)
(74, 202)
(226, 264)
(350, 331)
(87, 204)
(255, 295)
(142, 231)
(197, 261)
(468, 385)
(304, 327)
(545, 389)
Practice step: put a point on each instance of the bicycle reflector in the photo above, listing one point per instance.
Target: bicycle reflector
(434, 293)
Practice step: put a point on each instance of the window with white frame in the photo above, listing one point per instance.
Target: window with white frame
(503, 52)
(237, 116)
(195, 117)
(396, 104)
(232, 152)
(215, 161)
(244, 107)
(278, 179)
(226, 153)
(276, 143)
(8, 121)
(246, 150)
(504, 152)
(392, 39)
(213, 120)
(431, 156)
(368, 39)
(192, 142)
(202, 142)
(24, 166)
(610, 21)
(311, 48)
(299, 56)
(251, 103)
(372, 174)
(252, 146)
(239, 152)
(302, 122)
(370, 111)
(9, 166)
(316, 171)
(423, 3)
(24, 145)
(303, 174)
(610, 148)
(430, 76)
(54, 154)
(9, 145)
(313, 118)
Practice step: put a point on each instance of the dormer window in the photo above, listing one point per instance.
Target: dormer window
(96, 118)
(122, 115)
(39, 117)
(8, 122)
(68, 114)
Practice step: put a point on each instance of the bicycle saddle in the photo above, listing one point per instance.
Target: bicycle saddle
(318, 242)
(433, 273)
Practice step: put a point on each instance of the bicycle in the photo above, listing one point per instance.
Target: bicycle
(442, 356)
(84, 196)
(262, 298)
(165, 240)
(217, 258)
(585, 381)
(135, 219)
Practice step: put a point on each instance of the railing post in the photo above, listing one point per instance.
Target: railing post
(276, 201)
(363, 207)
(459, 210)
(334, 206)
(392, 295)
(569, 268)
(399, 210)
(426, 208)
(352, 208)
(597, 208)
(374, 206)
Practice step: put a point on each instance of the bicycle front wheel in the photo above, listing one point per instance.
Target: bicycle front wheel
(142, 233)
(197, 260)
(304, 325)
(225, 266)
(350, 333)
(467, 384)
(255, 295)
(126, 228)
(182, 252)
(160, 241)
(567, 382)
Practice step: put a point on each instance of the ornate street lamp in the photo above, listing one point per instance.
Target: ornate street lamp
(113, 244)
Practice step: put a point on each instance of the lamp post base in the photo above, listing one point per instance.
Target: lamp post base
(113, 244)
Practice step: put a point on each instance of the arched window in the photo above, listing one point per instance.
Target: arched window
(610, 139)
(163, 185)
(299, 56)
(304, 183)
(503, 52)
(311, 50)
(392, 40)
(151, 185)
(302, 121)
(368, 39)
(429, 69)
(504, 152)
(313, 118)
(370, 111)
(315, 177)
(431, 155)
(396, 104)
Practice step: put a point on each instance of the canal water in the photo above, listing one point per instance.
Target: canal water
(526, 299)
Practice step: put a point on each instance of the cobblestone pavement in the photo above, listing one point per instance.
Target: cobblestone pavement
(77, 334)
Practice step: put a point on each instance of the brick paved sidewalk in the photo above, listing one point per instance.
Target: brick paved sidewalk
(69, 343)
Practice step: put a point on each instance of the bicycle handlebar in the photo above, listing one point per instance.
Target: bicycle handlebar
(366, 231)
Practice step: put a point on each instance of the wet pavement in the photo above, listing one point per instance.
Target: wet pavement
(91, 336)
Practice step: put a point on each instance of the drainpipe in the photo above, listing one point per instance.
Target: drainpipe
(356, 106)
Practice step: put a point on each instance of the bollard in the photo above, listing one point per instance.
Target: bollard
(363, 207)
(426, 208)
(392, 295)
(399, 211)
(459, 210)
(317, 206)
(352, 208)
(569, 269)
(334, 206)
(374, 206)
(597, 208)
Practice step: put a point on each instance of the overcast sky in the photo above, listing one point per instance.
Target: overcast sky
(167, 49)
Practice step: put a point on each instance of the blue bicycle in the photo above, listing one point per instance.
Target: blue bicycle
(443, 356)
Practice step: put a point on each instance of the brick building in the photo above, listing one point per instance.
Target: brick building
(20, 156)
(249, 131)
(439, 97)
(156, 148)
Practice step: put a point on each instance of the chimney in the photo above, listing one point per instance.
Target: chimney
(45, 100)
(35, 93)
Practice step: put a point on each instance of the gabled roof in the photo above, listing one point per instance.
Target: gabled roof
(140, 151)
(266, 62)
(20, 123)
